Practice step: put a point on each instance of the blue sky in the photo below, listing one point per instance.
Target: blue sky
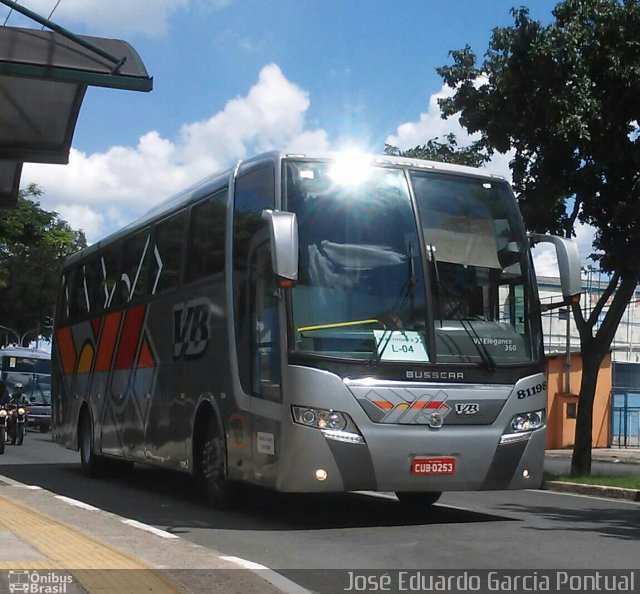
(234, 77)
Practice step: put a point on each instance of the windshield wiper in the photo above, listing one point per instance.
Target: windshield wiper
(480, 347)
(406, 292)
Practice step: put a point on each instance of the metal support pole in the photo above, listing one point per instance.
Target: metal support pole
(118, 62)
(12, 332)
(567, 363)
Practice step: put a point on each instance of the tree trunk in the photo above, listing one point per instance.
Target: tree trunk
(594, 348)
(581, 459)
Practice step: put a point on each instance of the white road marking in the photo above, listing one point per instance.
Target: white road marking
(76, 503)
(271, 576)
(147, 528)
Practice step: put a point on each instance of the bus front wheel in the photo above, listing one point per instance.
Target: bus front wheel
(218, 490)
(418, 500)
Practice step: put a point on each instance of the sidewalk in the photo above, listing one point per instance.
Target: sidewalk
(59, 542)
(623, 456)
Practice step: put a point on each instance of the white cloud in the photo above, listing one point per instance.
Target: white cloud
(101, 192)
(431, 125)
(117, 17)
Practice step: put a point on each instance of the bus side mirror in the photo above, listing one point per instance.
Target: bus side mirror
(568, 264)
(283, 230)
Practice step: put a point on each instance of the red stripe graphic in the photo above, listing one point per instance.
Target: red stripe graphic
(130, 337)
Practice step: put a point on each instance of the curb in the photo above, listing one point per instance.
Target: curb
(177, 560)
(594, 490)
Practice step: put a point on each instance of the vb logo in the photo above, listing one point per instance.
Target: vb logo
(191, 328)
(467, 408)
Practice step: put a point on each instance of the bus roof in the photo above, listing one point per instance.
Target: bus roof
(214, 182)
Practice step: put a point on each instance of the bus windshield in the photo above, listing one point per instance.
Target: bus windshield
(442, 277)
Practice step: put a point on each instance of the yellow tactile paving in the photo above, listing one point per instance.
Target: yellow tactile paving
(89, 561)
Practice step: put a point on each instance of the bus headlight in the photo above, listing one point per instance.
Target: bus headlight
(522, 425)
(527, 421)
(333, 424)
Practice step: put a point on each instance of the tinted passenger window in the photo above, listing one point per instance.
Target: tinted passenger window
(109, 277)
(205, 253)
(135, 266)
(86, 289)
(169, 240)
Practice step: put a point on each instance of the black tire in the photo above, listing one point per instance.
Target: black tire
(212, 469)
(91, 463)
(20, 436)
(2, 439)
(418, 500)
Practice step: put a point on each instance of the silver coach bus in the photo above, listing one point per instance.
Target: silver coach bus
(313, 324)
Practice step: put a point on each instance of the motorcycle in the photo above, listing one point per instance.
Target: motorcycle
(16, 423)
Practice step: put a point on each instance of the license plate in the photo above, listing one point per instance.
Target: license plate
(433, 466)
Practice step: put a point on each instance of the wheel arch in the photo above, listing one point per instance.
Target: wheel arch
(206, 410)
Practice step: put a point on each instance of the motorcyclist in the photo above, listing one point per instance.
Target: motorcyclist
(18, 398)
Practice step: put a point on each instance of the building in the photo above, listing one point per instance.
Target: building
(617, 401)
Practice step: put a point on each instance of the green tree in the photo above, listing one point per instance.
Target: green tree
(564, 97)
(33, 244)
(448, 151)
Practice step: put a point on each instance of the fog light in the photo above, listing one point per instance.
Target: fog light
(321, 474)
(525, 473)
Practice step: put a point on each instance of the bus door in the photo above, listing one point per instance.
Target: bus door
(258, 322)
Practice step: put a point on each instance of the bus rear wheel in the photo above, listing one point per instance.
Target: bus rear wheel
(218, 490)
(418, 500)
(89, 461)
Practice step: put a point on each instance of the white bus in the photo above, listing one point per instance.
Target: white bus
(313, 324)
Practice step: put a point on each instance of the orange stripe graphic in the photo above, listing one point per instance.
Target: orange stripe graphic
(108, 341)
(86, 358)
(64, 340)
(383, 404)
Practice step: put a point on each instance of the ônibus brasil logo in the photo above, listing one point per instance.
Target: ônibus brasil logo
(38, 582)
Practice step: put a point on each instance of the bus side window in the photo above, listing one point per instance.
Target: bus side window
(135, 267)
(254, 191)
(205, 251)
(86, 288)
(170, 236)
(63, 304)
(109, 277)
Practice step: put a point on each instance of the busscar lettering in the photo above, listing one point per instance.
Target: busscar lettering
(191, 328)
(431, 375)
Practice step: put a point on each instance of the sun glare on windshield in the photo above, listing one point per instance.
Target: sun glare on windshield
(351, 168)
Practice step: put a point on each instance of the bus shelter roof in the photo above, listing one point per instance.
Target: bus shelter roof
(43, 78)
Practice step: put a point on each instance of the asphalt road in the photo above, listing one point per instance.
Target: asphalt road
(488, 530)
